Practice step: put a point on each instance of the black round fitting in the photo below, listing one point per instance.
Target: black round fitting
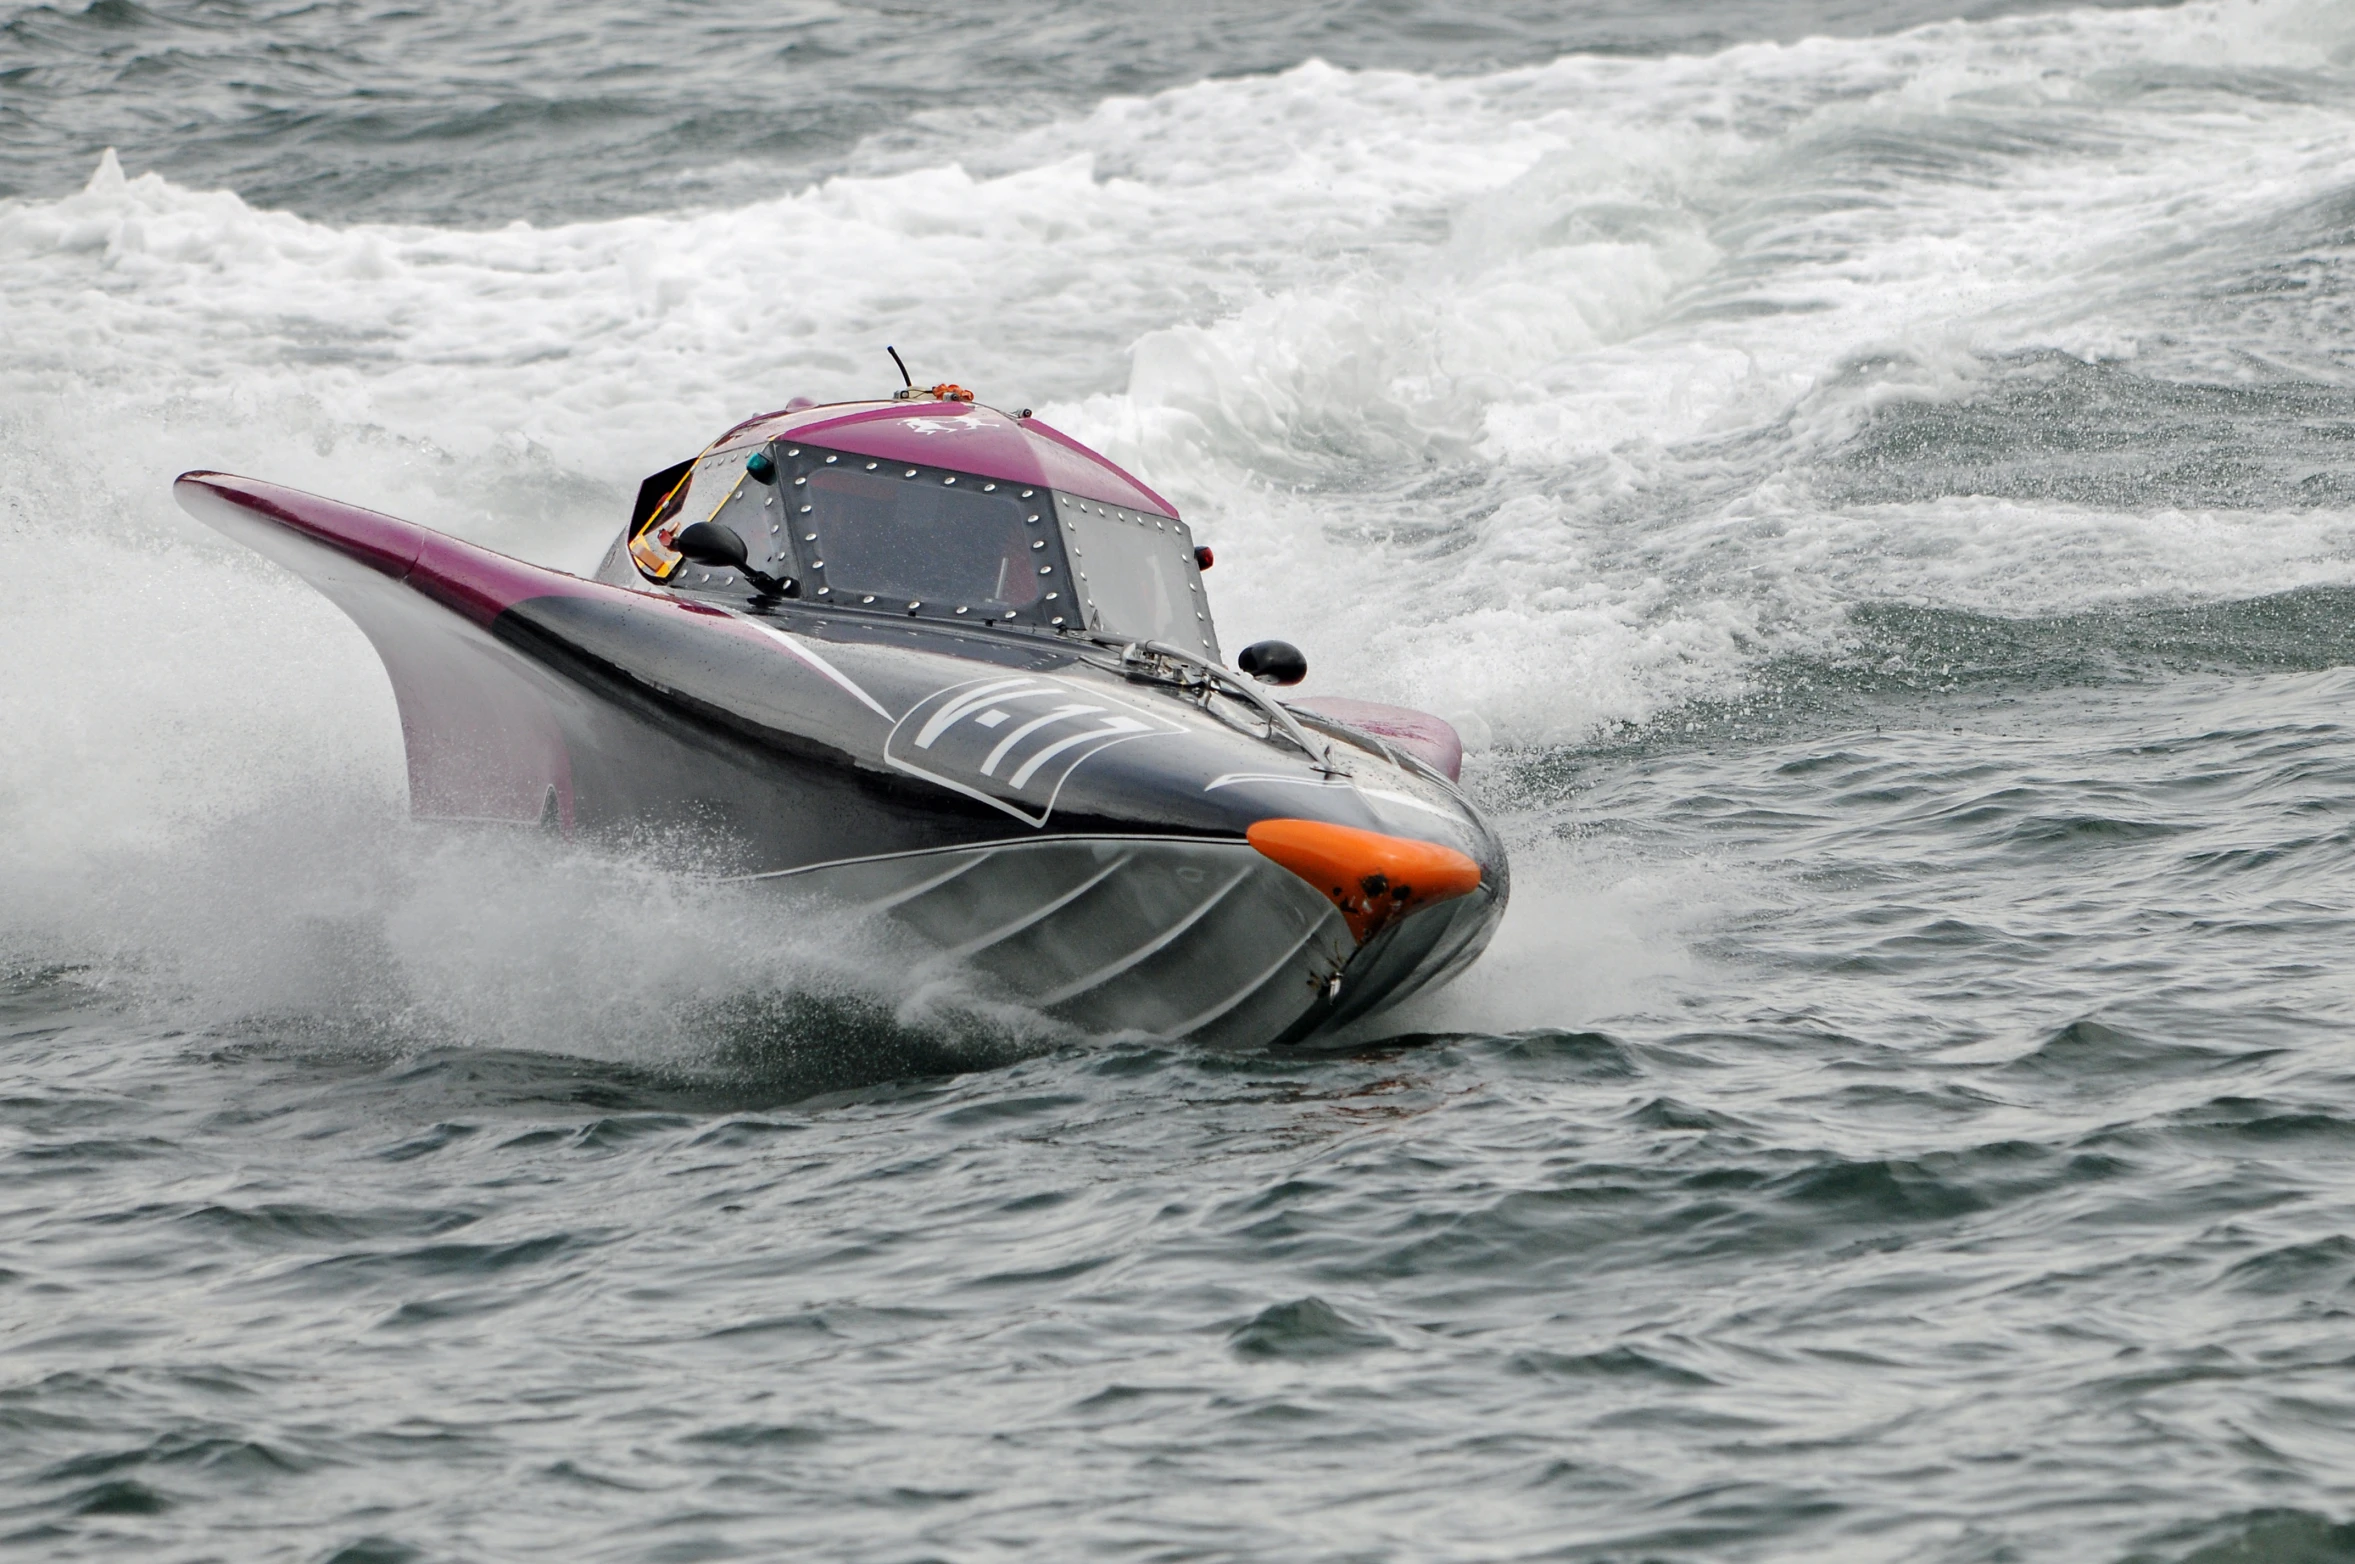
(1273, 662)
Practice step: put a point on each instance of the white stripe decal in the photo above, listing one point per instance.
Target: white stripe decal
(1233, 777)
(989, 767)
(1030, 767)
(819, 663)
(1411, 802)
(947, 715)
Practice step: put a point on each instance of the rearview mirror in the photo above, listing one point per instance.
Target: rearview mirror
(1272, 662)
(709, 543)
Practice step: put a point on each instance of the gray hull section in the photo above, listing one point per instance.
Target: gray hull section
(1203, 941)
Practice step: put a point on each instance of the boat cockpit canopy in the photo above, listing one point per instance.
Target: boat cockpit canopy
(879, 536)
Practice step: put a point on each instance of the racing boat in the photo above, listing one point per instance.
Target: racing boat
(944, 663)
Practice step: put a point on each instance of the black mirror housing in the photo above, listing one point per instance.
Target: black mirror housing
(1273, 662)
(709, 543)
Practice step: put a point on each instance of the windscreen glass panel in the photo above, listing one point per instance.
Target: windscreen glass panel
(921, 540)
(1137, 575)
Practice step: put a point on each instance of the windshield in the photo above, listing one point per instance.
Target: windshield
(1137, 575)
(921, 540)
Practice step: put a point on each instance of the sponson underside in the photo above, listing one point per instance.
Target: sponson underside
(1168, 938)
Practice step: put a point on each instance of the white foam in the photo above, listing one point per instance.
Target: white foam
(1496, 393)
(1592, 937)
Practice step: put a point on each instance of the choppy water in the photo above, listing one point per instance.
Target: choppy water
(1878, 491)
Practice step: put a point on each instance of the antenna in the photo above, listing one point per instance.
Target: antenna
(903, 368)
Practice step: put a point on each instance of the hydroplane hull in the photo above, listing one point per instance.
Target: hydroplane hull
(1105, 835)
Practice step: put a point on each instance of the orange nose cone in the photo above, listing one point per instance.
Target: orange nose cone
(1374, 879)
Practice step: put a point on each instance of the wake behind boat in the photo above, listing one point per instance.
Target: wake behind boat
(938, 661)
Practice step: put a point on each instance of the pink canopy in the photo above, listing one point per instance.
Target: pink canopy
(963, 436)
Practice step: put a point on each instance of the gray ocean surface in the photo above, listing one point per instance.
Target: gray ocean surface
(1874, 483)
